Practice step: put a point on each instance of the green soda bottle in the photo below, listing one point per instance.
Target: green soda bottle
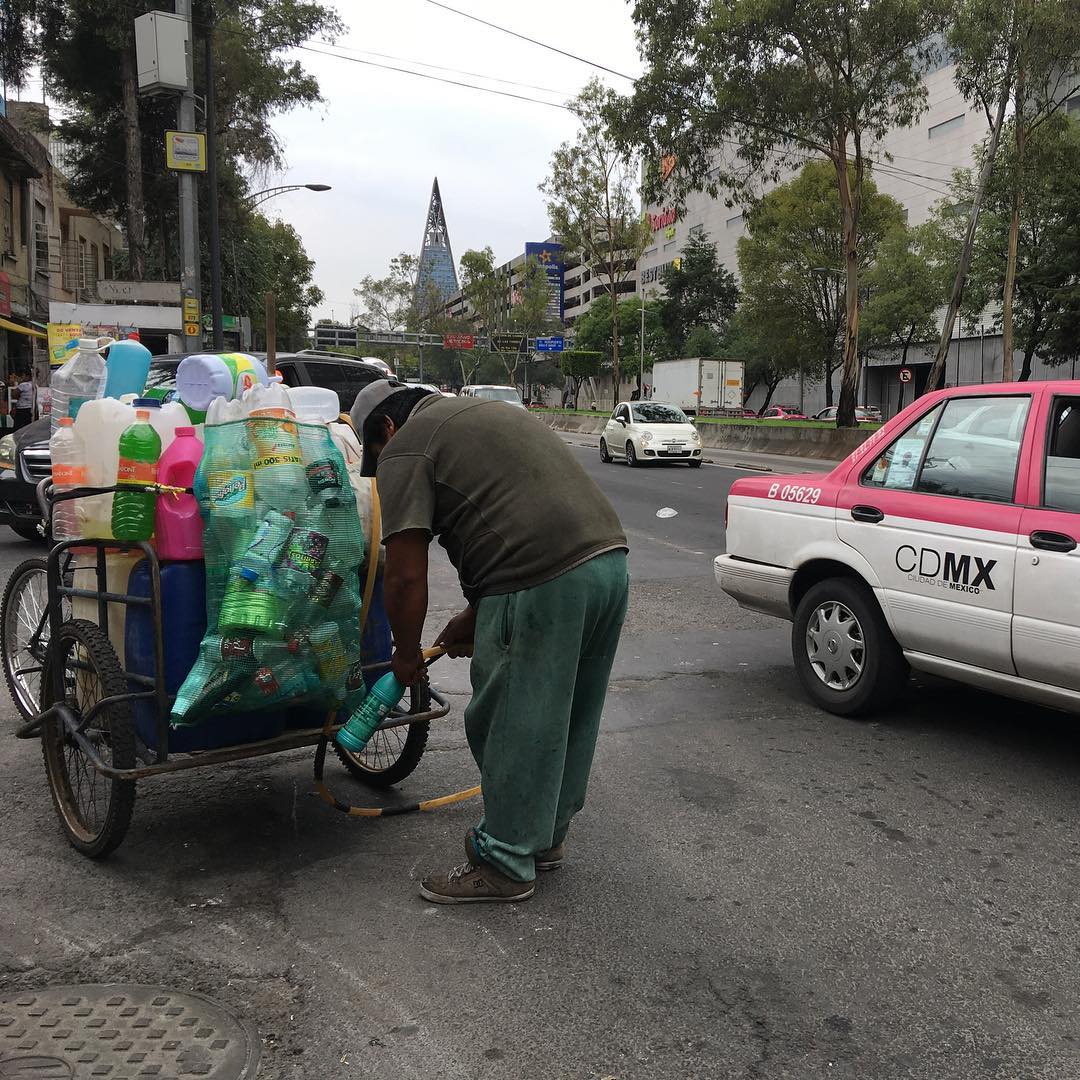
(250, 603)
(133, 511)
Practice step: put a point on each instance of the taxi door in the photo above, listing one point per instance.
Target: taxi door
(936, 516)
(1046, 623)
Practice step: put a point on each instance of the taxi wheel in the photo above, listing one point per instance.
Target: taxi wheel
(845, 655)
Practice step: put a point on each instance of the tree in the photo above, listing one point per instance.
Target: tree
(906, 286)
(593, 333)
(734, 92)
(770, 344)
(577, 365)
(1018, 52)
(88, 58)
(18, 41)
(499, 309)
(699, 295)
(790, 259)
(1047, 265)
(592, 202)
(387, 302)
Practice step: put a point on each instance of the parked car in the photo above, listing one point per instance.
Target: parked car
(641, 431)
(490, 392)
(862, 415)
(782, 412)
(948, 542)
(24, 454)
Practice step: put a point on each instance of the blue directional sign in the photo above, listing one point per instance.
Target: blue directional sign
(549, 344)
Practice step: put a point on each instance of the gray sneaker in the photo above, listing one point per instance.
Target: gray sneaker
(469, 884)
(551, 859)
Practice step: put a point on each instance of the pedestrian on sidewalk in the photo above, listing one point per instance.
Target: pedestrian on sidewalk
(24, 402)
(541, 558)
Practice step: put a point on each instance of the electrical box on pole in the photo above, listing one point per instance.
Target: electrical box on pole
(163, 53)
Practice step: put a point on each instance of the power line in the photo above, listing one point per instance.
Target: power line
(454, 71)
(433, 78)
(532, 41)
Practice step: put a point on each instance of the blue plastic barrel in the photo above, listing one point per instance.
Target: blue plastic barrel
(183, 608)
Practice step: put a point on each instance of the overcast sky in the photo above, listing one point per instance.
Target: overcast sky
(381, 136)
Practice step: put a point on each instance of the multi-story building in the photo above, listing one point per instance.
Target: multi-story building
(915, 166)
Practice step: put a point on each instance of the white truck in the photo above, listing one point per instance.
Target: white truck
(699, 385)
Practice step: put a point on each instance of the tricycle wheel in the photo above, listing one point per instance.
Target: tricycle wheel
(94, 811)
(393, 753)
(24, 633)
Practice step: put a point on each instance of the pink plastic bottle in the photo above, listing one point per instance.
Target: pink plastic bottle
(178, 527)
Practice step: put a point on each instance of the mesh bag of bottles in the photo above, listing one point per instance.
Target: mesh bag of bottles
(283, 545)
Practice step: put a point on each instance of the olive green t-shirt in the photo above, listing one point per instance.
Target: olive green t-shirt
(500, 490)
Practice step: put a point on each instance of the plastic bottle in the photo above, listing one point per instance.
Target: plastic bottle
(284, 681)
(177, 524)
(225, 489)
(268, 543)
(203, 377)
(250, 603)
(68, 471)
(133, 511)
(100, 424)
(315, 404)
(126, 366)
(302, 557)
(329, 652)
(278, 465)
(80, 380)
(383, 698)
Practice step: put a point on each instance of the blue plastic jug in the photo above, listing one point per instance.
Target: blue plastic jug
(126, 368)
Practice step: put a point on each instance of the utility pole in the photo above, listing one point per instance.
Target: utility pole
(189, 201)
(212, 189)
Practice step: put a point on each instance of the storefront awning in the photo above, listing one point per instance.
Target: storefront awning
(15, 328)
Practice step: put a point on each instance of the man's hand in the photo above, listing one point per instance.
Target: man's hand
(408, 665)
(457, 635)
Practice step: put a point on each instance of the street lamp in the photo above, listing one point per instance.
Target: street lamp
(269, 193)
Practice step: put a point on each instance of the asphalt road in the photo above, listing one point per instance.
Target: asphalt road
(755, 889)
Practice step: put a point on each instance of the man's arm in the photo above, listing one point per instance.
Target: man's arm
(405, 587)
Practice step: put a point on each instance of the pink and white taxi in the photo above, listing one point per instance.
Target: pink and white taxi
(947, 543)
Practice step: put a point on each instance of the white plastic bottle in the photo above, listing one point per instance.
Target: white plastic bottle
(80, 380)
(68, 471)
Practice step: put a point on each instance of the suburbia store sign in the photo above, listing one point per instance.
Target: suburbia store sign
(661, 220)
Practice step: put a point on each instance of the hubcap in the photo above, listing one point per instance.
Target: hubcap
(835, 646)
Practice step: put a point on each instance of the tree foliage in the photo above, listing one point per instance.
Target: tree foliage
(1018, 55)
(907, 285)
(1047, 278)
(790, 263)
(733, 92)
(700, 296)
(593, 333)
(593, 205)
(386, 303)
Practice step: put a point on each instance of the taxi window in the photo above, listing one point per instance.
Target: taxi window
(898, 466)
(975, 449)
(1061, 487)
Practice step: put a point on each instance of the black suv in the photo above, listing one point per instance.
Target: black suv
(24, 454)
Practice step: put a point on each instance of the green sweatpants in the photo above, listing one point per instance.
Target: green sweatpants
(541, 662)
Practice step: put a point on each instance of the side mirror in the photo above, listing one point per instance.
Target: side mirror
(622, 420)
(693, 420)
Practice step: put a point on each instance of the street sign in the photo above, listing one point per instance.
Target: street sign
(905, 374)
(507, 342)
(458, 341)
(192, 329)
(550, 344)
(185, 151)
(191, 309)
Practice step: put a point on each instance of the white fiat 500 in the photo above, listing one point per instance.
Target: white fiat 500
(641, 431)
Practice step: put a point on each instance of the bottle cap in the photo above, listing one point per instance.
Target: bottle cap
(248, 574)
(143, 415)
(66, 421)
(146, 403)
(182, 431)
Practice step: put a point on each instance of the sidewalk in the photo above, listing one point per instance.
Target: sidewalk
(732, 459)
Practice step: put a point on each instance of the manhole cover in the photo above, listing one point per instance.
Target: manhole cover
(121, 1032)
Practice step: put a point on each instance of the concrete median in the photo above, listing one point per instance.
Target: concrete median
(825, 444)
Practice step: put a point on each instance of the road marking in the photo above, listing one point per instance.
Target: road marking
(665, 543)
(707, 464)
